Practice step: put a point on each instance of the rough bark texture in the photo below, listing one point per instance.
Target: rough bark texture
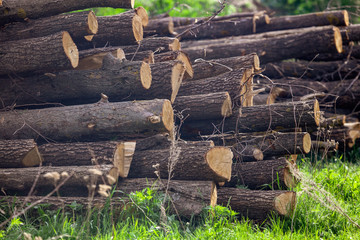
(266, 174)
(219, 29)
(122, 29)
(77, 24)
(22, 179)
(258, 205)
(352, 51)
(93, 58)
(118, 80)
(19, 153)
(189, 197)
(158, 44)
(187, 161)
(91, 121)
(159, 27)
(303, 43)
(211, 68)
(351, 33)
(204, 106)
(49, 53)
(260, 118)
(15, 10)
(247, 153)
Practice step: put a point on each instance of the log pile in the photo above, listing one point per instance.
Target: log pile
(182, 117)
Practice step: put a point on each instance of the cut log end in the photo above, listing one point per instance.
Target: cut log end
(289, 178)
(346, 17)
(119, 159)
(141, 12)
(226, 108)
(70, 49)
(129, 150)
(137, 28)
(258, 154)
(175, 45)
(317, 113)
(285, 203)
(267, 19)
(338, 40)
(113, 176)
(32, 158)
(89, 38)
(213, 198)
(145, 75)
(168, 116)
(220, 161)
(186, 60)
(306, 143)
(92, 23)
(177, 75)
(171, 26)
(132, 3)
(256, 63)
(119, 54)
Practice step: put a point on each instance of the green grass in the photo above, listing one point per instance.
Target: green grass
(312, 220)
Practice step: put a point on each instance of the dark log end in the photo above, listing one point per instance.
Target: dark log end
(32, 158)
(141, 12)
(137, 28)
(168, 116)
(226, 108)
(220, 161)
(70, 49)
(145, 75)
(92, 23)
(307, 143)
(177, 75)
(338, 40)
(285, 203)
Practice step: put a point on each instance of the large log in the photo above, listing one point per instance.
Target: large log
(159, 27)
(15, 10)
(351, 33)
(267, 174)
(93, 58)
(183, 161)
(77, 24)
(258, 205)
(49, 53)
(275, 48)
(260, 118)
(176, 55)
(92, 121)
(122, 29)
(19, 153)
(205, 69)
(350, 51)
(204, 106)
(219, 29)
(46, 178)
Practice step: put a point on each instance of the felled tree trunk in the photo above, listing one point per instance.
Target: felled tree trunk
(19, 153)
(351, 50)
(204, 106)
(122, 29)
(92, 121)
(146, 56)
(258, 205)
(15, 10)
(93, 58)
(351, 33)
(275, 48)
(260, 118)
(77, 24)
(159, 27)
(46, 178)
(266, 174)
(49, 53)
(214, 67)
(185, 161)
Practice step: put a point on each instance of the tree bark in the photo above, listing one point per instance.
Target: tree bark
(45, 179)
(159, 27)
(19, 153)
(260, 118)
(93, 58)
(351, 33)
(15, 10)
(274, 48)
(176, 55)
(185, 161)
(204, 106)
(258, 205)
(352, 51)
(158, 44)
(49, 53)
(219, 29)
(77, 24)
(122, 29)
(92, 121)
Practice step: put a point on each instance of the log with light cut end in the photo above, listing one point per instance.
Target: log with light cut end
(156, 44)
(159, 27)
(122, 29)
(136, 119)
(246, 153)
(15, 10)
(19, 153)
(325, 146)
(119, 80)
(189, 161)
(205, 69)
(146, 56)
(43, 54)
(204, 106)
(257, 205)
(246, 93)
(77, 24)
(259, 118)
(93, 58)
(176, 55)
(22, 179)
(266, 174)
